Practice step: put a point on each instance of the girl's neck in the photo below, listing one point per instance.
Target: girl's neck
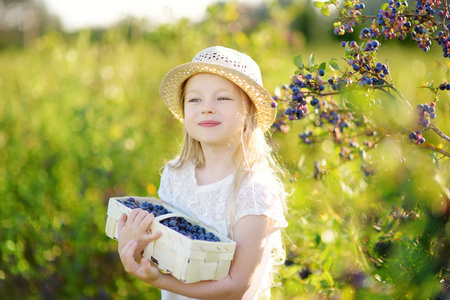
(218, 165)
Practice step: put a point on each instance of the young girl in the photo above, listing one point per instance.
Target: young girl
(225, 176)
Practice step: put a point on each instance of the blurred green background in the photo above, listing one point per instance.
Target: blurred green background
(81, 120)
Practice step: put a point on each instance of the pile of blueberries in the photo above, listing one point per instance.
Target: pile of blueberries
(195, 232)
(155, 209)
(179, 224)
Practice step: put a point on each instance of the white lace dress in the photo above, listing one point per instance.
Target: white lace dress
(208, 203)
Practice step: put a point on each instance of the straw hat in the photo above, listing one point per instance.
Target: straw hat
(237, 67)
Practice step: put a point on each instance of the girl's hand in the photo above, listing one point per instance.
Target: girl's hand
(144, 270)
(136, 227)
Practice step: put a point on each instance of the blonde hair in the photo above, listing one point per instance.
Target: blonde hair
(254, 151)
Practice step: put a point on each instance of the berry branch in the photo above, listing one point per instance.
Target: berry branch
(435, 148)
(311, 97)
(442, 135)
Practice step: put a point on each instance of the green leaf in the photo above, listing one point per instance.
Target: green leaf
(325, 11)
(318, 4)
(333, 63)
(329, 279)
(311, 60)
(323, 66)
(347, 49)
(298, 62)
(327, 264)
(317, 239)
(384, 6)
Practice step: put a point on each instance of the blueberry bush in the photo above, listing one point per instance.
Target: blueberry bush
(388, 152)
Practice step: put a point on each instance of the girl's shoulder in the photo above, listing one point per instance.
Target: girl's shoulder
(262, 181)
(260, 175)
(262, 193)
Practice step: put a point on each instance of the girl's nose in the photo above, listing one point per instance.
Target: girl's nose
(208, 107)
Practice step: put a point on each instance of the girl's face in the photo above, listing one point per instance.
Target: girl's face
(214, 110)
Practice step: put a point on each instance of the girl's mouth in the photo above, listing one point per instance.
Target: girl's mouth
(209, 123)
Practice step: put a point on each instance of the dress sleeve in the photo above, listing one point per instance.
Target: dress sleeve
(258, 198)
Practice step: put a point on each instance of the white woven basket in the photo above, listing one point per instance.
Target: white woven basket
(186, 259)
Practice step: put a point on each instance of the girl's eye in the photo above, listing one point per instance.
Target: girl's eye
(194, 100)
(223, 98)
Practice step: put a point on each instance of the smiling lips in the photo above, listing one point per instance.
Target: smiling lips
(209, 123)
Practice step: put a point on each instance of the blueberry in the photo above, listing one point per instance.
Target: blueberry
(314, 101)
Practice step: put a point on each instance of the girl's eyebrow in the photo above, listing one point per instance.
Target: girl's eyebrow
(193, 91)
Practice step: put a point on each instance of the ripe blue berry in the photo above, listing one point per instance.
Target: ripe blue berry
(314, 101)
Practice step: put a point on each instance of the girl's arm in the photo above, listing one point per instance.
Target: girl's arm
(250, 234)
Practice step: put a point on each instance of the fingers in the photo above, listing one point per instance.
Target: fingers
(150, 272)
(144, 270)
(127, 255)
(141, 219)
(122, 221)
(136, 226)
(153, 236)
(137, 214)
(146, 222)
(130, 245)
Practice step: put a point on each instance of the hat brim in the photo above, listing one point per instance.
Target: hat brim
(170, 89)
